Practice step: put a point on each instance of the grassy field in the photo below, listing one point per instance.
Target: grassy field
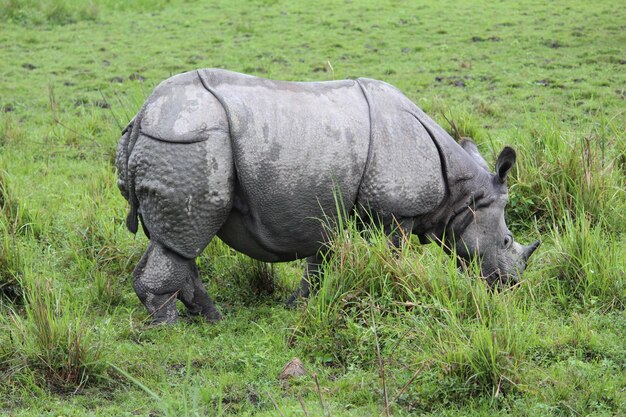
(386, 335)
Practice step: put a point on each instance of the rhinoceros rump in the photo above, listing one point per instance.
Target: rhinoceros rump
(259, 162)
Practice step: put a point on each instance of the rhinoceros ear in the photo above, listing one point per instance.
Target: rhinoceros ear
(471, 148)
(505, 162)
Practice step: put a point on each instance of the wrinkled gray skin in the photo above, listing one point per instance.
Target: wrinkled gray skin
(258, 162)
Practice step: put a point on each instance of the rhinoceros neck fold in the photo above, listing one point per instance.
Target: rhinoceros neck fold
(403, 173)
(464, 181)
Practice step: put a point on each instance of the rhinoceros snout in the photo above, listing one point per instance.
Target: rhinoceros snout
(511, 273)
(513, 277)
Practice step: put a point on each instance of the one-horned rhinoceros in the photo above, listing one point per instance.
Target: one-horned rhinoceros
(259, 163)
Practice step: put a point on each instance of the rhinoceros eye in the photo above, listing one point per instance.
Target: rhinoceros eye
(508, 240)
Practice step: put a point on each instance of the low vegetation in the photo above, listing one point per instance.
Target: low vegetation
(390, 332)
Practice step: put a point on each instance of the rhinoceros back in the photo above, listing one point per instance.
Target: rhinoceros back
(262, 163)
(296, 146)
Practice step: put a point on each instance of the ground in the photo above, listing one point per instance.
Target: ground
(404, 334)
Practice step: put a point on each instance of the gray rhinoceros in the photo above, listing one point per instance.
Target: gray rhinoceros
(259, 163)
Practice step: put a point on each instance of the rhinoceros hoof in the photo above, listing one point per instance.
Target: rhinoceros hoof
(295, 300)
(213, 316)
(290, 303)
(163, 320)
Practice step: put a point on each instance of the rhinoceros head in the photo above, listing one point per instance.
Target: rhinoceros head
(482, 233)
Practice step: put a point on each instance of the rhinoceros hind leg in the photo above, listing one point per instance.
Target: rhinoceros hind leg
(310, 280)
(162, 277)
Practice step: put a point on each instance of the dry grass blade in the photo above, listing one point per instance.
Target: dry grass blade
(405, 386)
(306, 413)
(319, 393)
(173, 296)
(275, 404)
(381, 364)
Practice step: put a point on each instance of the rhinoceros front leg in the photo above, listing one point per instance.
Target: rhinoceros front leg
(310, 279)
(196, 299)
(162, 277)
(399, 232)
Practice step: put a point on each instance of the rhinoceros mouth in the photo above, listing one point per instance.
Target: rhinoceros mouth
(499, 280)
(506, 281)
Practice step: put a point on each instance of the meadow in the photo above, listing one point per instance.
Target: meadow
(388, 333)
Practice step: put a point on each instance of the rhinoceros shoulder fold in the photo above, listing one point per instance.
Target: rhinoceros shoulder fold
(404, 174)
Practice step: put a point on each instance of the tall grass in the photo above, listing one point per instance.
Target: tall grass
(11, 266)
(57, 342)
(53, 12)
(562, 174)
(97, 248)
(476, 338)
(587, 265)
(572, 186)
(15, 222)
(53, 339)
(254, 278)
(17, 219)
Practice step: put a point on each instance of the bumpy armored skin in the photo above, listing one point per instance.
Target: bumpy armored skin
(260, 163)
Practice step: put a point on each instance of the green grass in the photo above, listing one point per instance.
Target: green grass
(547, 78)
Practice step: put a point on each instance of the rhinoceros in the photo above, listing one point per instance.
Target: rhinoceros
(259, 163)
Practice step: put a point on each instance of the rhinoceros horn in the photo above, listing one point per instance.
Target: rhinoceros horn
(528, 250)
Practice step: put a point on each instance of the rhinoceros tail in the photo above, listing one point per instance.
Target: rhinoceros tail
(120, 160)
(126, 178)
(132, 219)
(123, 183)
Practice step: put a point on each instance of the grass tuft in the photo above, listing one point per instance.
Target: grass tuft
(16, 218)
(53, 340)
(562, 175)
(11, 267)
(464, 125)
(587, 269)
(259, 277)
(15, 222)
(11, 130)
